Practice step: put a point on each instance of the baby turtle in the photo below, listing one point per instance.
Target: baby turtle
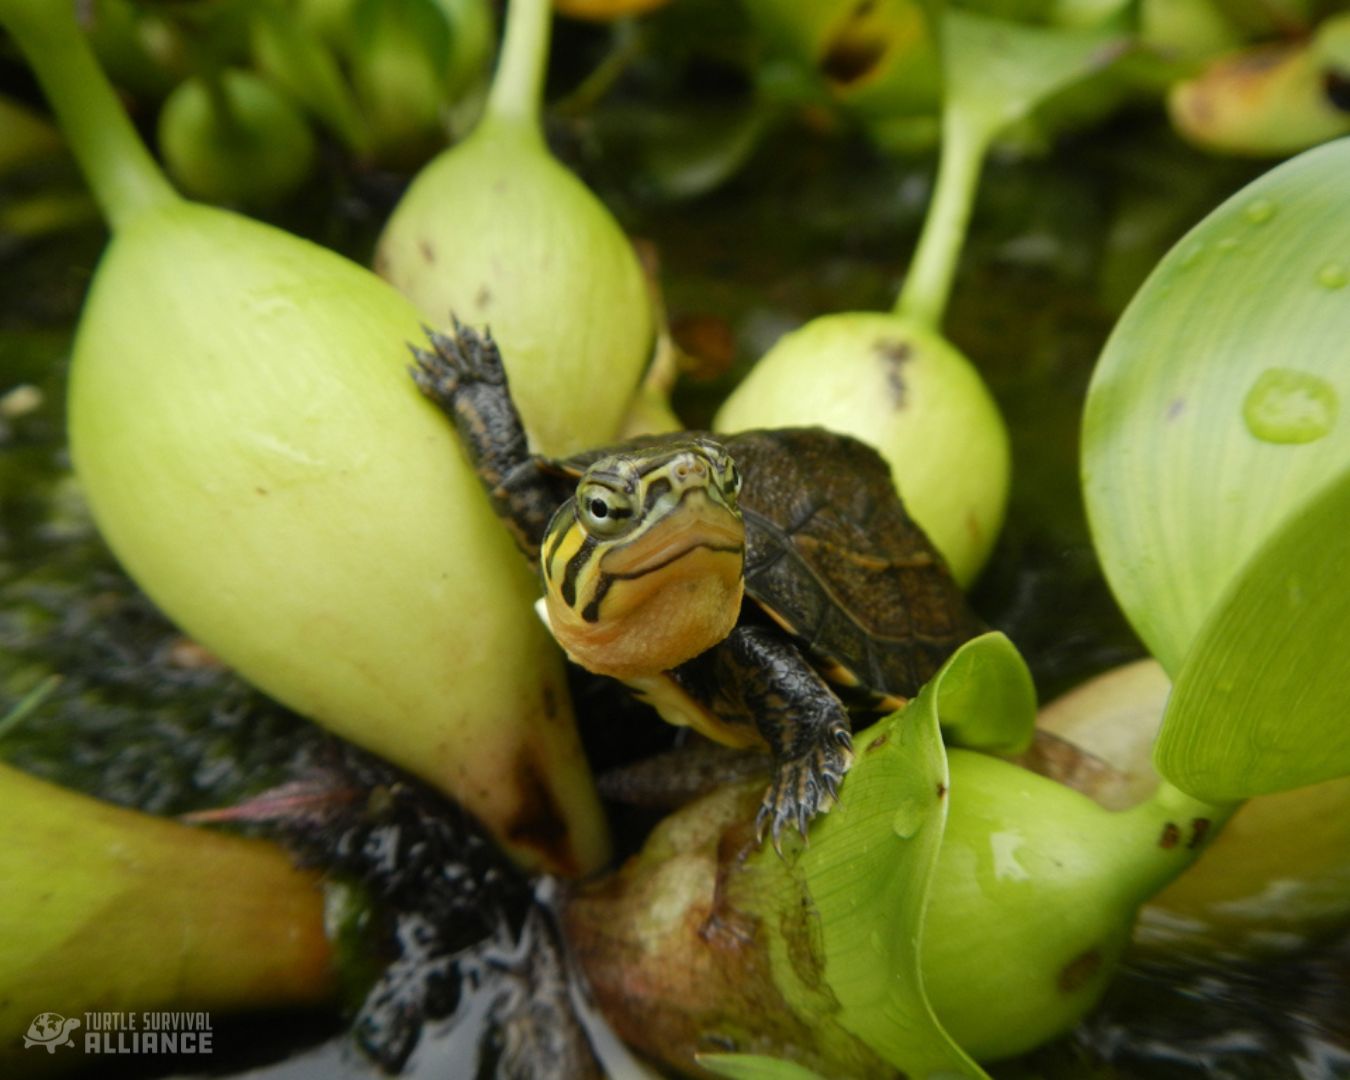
(723, 579)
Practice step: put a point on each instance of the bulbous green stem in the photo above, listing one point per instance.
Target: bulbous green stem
(965, 141)
(124, 177)
(1160, 837)
(518, 84)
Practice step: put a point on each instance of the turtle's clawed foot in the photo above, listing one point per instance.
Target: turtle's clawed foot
(456, 360)
(805, 786)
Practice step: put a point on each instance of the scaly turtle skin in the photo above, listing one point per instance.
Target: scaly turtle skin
(646, 550)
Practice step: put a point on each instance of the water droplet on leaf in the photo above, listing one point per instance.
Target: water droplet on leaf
(1288, 406)
(908, 818)
(1259, 211)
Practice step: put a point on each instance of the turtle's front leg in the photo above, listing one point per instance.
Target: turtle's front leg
(463, 374)
(760, 673)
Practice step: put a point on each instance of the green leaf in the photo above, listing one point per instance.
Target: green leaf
(1259, 705)
(986, 697)
(998, 71)
(866, 873)
(1214, 412)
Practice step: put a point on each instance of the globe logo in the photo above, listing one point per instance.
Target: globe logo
(51, 1030)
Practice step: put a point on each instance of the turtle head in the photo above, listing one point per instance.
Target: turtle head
(643, 565)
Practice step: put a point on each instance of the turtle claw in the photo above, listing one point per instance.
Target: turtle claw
(455, 361)
(804, 786)
(436, 379)
(475, 355)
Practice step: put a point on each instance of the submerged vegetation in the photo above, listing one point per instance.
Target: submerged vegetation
(251, 583)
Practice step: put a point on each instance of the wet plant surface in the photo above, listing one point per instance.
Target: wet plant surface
(453, 955)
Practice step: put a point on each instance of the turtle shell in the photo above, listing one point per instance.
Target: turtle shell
(833, 557)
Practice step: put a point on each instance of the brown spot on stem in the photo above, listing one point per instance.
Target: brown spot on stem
(706, 978)
(801, 929)
(1079, 971)
(538, 819)
(877, 743)
(1199, 830)
(894, 355)
(1170, 837)
(428, 252)
(483, 298)
(942, 791)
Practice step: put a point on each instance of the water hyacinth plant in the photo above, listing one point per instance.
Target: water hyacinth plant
(1269, 99)
(104, 908)
(496, 231)
(951, 907)
(243, 426)
(249, 439)
(1255, 630)
(892, 379)
(1273, 878)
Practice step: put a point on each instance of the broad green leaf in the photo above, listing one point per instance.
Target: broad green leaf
(998, 71)
(865, 875)
(986, 698)
(1215, 410)
(865, 878)
(1259, 704)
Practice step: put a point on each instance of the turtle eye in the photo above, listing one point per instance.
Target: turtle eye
(603, 511)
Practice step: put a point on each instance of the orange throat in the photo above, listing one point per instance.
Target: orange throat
(659, 601)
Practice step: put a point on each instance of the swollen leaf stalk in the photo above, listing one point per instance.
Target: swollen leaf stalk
(105, 908)
(496, 231)
(253, 450)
